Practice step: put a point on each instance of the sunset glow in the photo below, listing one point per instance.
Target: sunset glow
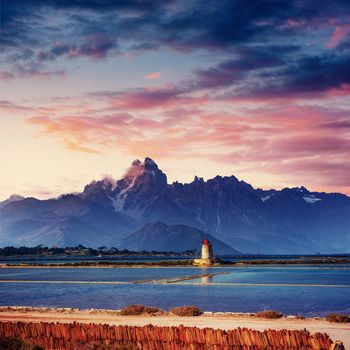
(260, 92)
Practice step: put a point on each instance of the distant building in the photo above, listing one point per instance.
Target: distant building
(207, 257)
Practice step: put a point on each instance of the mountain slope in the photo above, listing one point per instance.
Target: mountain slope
(56, 222)
(66, 232)
(161, 237)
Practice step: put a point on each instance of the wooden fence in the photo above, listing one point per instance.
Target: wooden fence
(79, 336)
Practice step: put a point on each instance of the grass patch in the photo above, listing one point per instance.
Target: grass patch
(186, 311)
(269, 314)
(338, 318)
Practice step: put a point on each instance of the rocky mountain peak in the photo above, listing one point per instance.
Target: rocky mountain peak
(146, 176)
(224, 181)
(142, 182)
(142, 170)
(150, 163)
(303, 189)
(300, 190)
(198, 179)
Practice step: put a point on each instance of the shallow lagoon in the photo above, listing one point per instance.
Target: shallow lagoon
(308, 290)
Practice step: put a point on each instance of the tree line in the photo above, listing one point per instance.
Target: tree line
(81, 250)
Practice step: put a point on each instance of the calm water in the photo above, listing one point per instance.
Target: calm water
(308, 290)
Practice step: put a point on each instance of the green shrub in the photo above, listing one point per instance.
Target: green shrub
(186, 311)
(270, 314)
(338, 318)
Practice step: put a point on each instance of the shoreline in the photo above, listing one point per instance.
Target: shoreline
(181, 263)
(217, 320)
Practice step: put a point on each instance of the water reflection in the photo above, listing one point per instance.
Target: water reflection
(206, 279)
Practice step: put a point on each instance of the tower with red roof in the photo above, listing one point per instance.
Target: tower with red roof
(207, 257)
(207, 251)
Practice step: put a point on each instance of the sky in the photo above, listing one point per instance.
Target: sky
(257, 89)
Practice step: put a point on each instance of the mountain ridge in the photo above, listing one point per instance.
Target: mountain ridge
(291, 220)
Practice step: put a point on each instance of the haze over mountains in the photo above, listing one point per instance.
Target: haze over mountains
(142, 211)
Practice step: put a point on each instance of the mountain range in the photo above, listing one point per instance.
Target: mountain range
(142, 211)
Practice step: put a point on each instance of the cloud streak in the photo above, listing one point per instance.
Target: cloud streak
(153, 76)
(99, 29)
(264, 86)
(288, 138)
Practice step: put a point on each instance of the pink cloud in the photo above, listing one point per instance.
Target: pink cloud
(338, 35)
(6, 75)
(286, 138)
(160, 97)
(293, 23)
(153, 76)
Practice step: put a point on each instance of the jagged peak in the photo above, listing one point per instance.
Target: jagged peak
(198, 179)
(146, 164)
(140, 169)
(300, 189)
(219, 178)
(150, 163)
(149, 160)
(146, 161)
(69, 196)
(106, 182)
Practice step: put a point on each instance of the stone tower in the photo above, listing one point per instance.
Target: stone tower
(207, 254)
(207, 250)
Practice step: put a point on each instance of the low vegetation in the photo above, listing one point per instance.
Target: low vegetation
(186, 311)
(153, 310)
(106, 263)
(269, 314)
(80, 250)
(338, 318)
(137, 309)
